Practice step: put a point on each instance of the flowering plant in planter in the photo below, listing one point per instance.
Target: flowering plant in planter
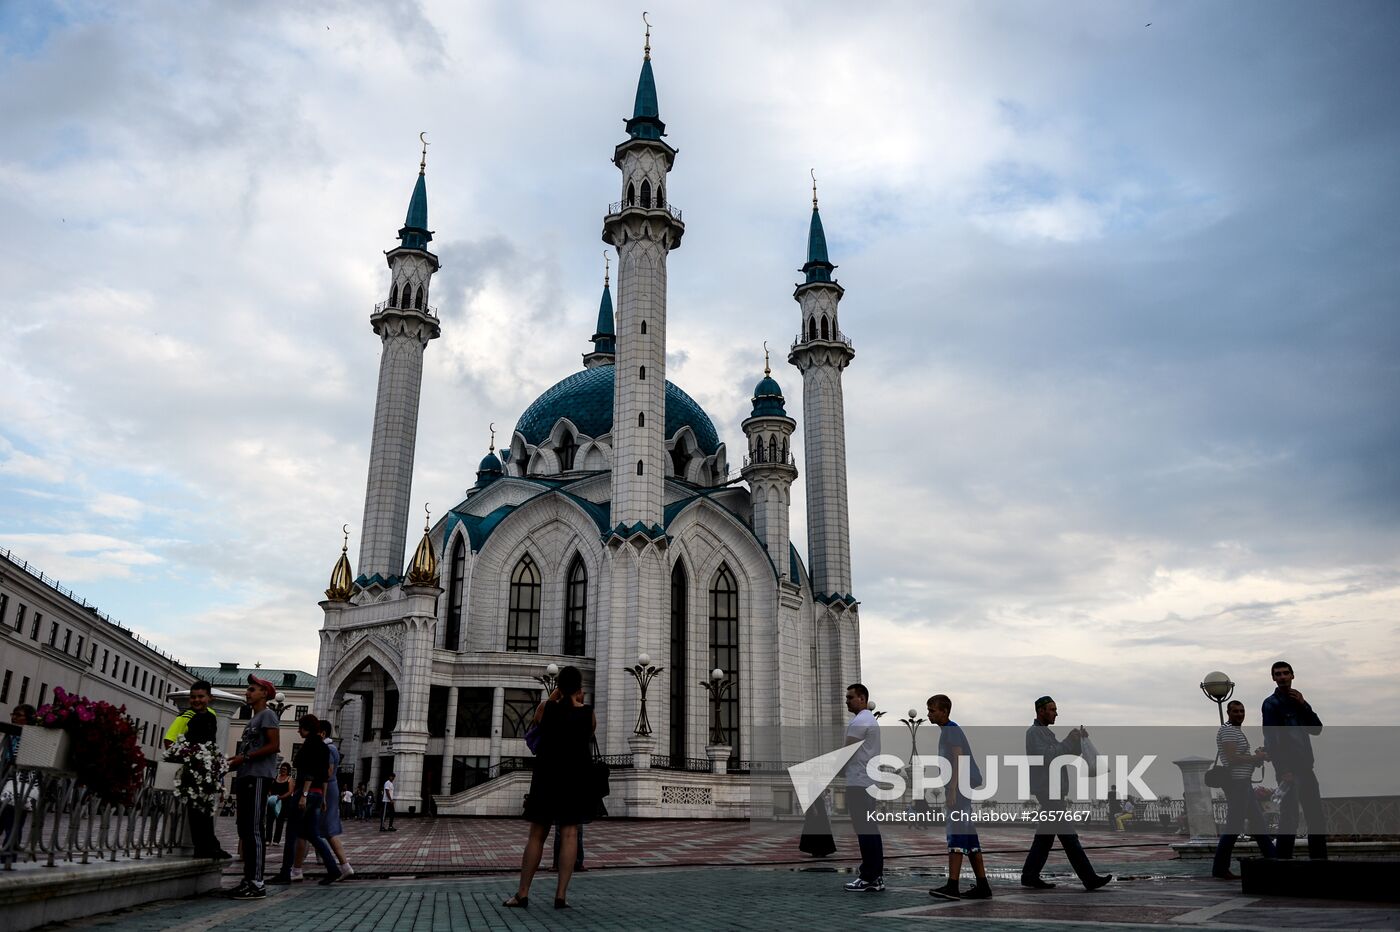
(202, 773)
(106, 754)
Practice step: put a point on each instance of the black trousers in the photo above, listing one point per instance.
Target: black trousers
(1303, 792)
(251, 795)
(1040, 853)
(206, 845)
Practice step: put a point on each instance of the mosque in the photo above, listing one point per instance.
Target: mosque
(610, 533)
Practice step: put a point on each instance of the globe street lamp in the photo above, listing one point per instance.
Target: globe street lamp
(717, 686)
(870, 706)
(549, 679)
(1218, 688)
(912, 723)
(643, 671)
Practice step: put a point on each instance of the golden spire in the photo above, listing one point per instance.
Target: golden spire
(607, 268)
(814, 188)
(423, 163)
(646, 49)
(766, 371)
(493, 437)
(423, 571)
(342, 587)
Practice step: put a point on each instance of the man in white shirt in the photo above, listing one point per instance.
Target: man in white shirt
(864, 730)
(387, 812)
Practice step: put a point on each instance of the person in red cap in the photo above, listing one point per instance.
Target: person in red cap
(255, 767)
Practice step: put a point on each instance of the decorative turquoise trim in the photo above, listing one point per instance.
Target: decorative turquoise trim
(388, 582)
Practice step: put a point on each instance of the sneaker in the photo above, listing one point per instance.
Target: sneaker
(329, 879)
(346, 871)
(949, 891)
(1099, 881)
(980, 891)
(1035, 883)
(242, 884)
(866, 886)
(279, 880)
(297, 875)
(250, 892)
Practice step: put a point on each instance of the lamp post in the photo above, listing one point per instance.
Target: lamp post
(278, 704)
(1218, 688)
(912, 723)
(643, 671)
(549, 679)
(718, 686)
(871, 707)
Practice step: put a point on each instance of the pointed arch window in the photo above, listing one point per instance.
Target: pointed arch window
(523, 618)
(456, 591)
(680, 669)
(639, 467)
(679, 460)
(644, 326)
(394, 296)
(568, 447)
(418, 299)
(812, 329)
(724, 651)
(631, 194)
(646, 194)
(642, 420)
(641, 373)
(825, 332)
(773, 448)
(576, 609)
(660, 195)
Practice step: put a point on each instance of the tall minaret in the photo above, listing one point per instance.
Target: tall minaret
(605, 337)
(769, 468)
(643, 229)
(821, 353)
(405, 323)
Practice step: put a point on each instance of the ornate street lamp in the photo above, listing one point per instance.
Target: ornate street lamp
(278, 703)
(912, 723)
(549, 679)
(718, 685)
(1218, 689)
(643, 671)
(871, 707)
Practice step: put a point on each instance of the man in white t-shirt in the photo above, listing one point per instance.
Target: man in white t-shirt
(864, 730)
(387, 812)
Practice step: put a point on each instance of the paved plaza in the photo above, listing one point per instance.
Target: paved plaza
(453, 874)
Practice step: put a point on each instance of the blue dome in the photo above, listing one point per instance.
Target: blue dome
(768, 386)
(586, 398)
(489, 463)
(768, 398)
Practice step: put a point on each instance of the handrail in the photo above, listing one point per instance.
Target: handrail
(802, 338)
(616, 207)
(430, 310)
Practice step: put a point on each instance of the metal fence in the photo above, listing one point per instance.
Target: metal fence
(48, 816)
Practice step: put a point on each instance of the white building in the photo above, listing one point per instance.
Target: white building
(51, 638)
(611, 526)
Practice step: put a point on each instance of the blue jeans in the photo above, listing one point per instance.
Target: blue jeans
(312, 829)
(859, 805)
(1243, 809)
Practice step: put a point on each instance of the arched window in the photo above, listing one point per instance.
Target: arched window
(825, 332)
(644, 326)
(524, 462)
(679, 460)
(568, 446)
(631, 194)
(418, 298)
(642, 420)
(646, 193)
(639, 467)
(523, 618)
(394, 296)
(456, 590)
(642, 372)
(576, 609)
(812, 329)
(680, 669)
(724, 651)
(773, 448)
(660, 195)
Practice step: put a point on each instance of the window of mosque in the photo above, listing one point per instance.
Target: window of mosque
(394, 296)
(812, 329)
(679, 460)
(519, 711)
(523, 621)
(468, 771)
(825, 333)
(773, 449)
(391, 711)
(456, 590)
(437, 711)
(642, 420)
(576, 610)
(418, 298)
(724, 651)
(679, 669)
(642, 373)
(568, 446)
(660, 195)
(646, 193)
(644, 326)
(631, 194)
(473, 712)
(639, 467)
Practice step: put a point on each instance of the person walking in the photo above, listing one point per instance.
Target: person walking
(1289, 723)
(1041, 742)
(253, 766)
(278, 812)
(864, 729)
(561, 787)
(313, 776)
(954, 747)
(331, 824)
(1242, 805)
(386, 800)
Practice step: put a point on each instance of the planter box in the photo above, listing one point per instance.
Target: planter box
(167, 775)
(44, 748)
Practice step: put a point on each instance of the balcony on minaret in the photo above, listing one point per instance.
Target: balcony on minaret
(428, 309)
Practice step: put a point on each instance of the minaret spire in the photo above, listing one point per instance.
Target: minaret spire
(605, 336)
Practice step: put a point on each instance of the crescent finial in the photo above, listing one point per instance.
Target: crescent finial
(814, 188)
(766, 370)
(427, 518)
(646, 49)
(607, 268)
(423, 164)
(345, 529)
(493, 436)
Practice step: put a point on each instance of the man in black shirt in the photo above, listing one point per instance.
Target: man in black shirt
(313, 771)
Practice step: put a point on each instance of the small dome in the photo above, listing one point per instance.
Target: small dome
(489, 463)
(768, 398)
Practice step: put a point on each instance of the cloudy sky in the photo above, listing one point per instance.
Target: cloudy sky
(1124, 300)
